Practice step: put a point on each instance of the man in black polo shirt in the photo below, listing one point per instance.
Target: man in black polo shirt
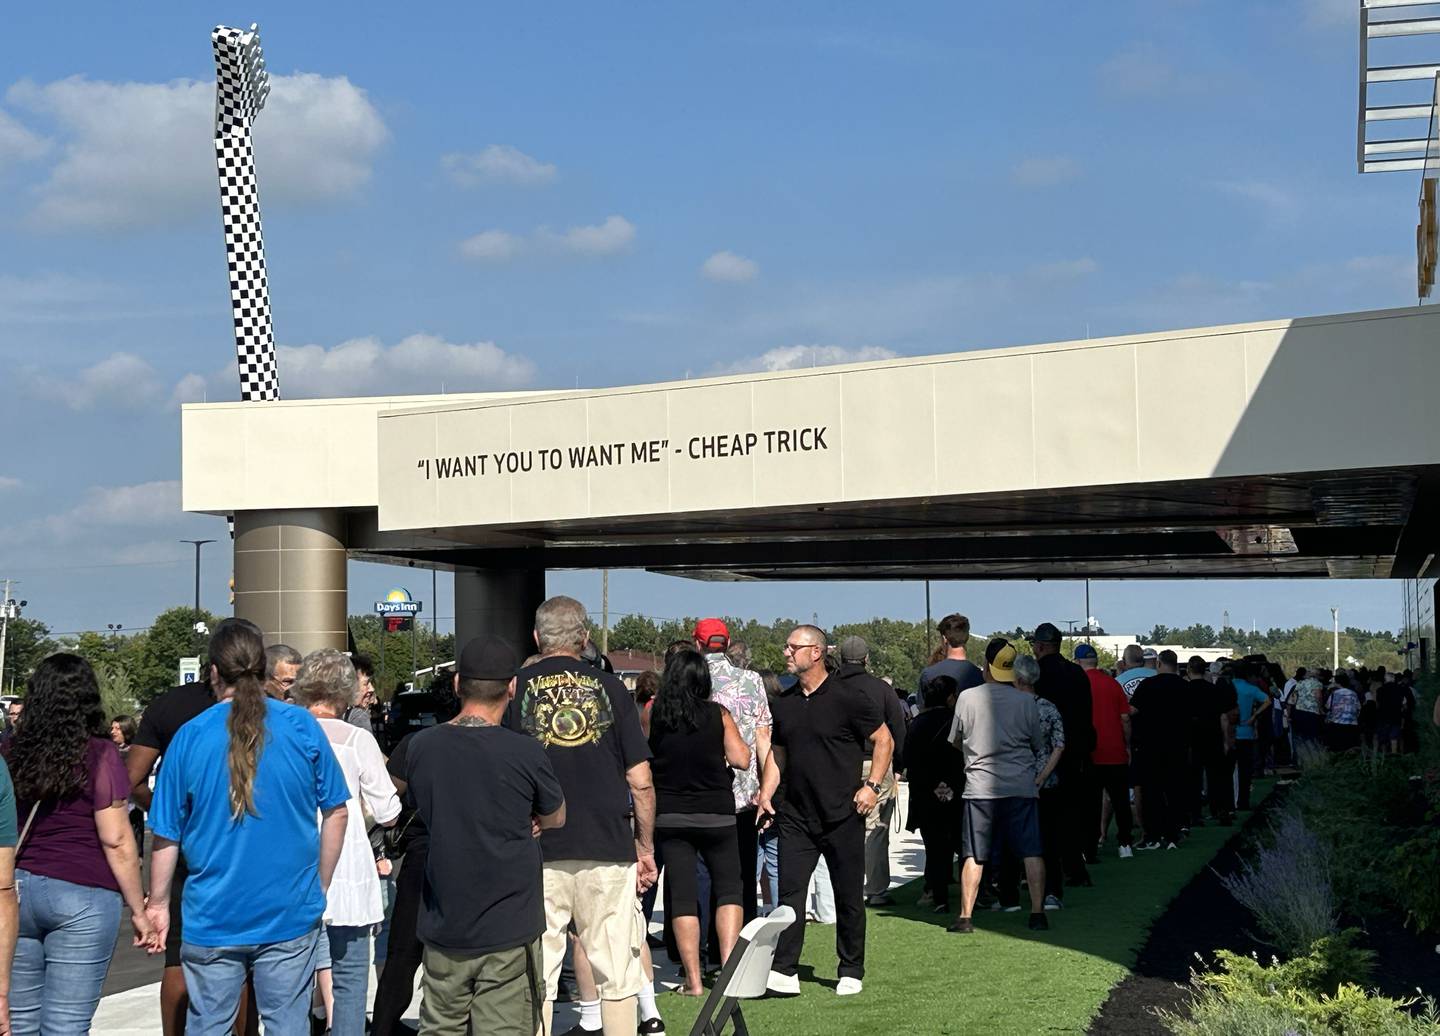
(820, 729)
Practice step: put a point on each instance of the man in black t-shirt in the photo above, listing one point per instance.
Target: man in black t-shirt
(483, 913)
(1161, 715)
(595, 865)
(820, 728)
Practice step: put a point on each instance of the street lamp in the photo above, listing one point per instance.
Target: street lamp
(198, 545)
(9, 609)
(1335, 658)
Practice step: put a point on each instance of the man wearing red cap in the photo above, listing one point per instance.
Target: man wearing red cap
(742, 694)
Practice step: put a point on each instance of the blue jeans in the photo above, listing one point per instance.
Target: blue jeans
(283, 973)
(382, 937)
(768, 863)
(349, 977)
(67, 934)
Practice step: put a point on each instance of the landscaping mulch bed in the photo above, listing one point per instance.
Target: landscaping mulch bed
(1205, 918)
(1202, 915)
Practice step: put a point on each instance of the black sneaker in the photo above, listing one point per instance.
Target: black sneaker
(652, 1027)
(964, 925)
(1038, 923)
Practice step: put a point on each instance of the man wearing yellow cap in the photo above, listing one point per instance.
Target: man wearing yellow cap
(998, 729)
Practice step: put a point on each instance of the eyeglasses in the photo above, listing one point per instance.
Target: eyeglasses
(790, 649)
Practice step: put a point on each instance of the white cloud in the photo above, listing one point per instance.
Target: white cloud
(1277, 202)
(492, 246)
(1045, 171)
(729, 267)
(18, 143)
(121, 381)
(143, 505)
(139, 154)
(7, 483)
(498, 164)
(794, 357)
(614, 235)
(1138, 70)
(192, 388)
(1067, 269)
(1324, 14)
(417, 364)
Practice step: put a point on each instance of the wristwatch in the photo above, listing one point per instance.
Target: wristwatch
(873, 787)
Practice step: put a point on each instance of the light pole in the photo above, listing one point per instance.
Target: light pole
(198, 545)
(1335, 659)
(9, 609)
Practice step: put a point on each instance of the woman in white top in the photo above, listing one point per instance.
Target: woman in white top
(326, 686)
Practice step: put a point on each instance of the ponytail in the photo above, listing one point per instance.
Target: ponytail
(238, 653)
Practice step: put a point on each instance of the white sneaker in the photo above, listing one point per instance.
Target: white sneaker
(783, 985)
(1126, 852)
(847, 986)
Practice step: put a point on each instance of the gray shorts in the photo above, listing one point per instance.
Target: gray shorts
(989, 828)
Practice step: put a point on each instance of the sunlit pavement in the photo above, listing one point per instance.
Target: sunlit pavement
(136, 1011)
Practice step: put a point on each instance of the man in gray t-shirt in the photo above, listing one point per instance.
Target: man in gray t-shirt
(998, 729)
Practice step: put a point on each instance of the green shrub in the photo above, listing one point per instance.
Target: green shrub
(1247, 998)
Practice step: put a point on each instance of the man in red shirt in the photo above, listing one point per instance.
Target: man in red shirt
(1110, 712)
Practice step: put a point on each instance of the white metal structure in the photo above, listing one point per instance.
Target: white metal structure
(1395, 154)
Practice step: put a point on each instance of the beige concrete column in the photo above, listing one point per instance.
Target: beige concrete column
(498, 601)
(290, 576)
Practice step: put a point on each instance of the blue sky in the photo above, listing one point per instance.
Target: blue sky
(468, 196)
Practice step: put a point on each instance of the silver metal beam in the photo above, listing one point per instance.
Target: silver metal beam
(1401, 147)
(1392, 165)
(1403, 27)
(1390, 112)
(1375, 4)
(1400, 73)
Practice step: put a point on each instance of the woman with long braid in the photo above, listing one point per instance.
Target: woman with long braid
(238, 795)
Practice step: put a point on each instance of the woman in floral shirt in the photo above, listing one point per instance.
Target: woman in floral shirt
(1343, 721)
(1307, 716)
(1027, 675)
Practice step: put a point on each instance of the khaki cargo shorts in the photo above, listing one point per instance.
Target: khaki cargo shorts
(600, 898)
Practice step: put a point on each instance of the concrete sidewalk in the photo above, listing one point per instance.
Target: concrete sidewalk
(131, 1006)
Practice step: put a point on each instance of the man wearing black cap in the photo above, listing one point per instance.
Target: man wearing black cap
(1067, 687)
(484, 793)
(854, 654)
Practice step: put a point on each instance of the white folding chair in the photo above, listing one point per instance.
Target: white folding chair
(744, 975)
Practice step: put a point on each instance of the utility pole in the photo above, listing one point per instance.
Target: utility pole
(1089, 619)
(929, 626)
(605, 611)
(1335, 658)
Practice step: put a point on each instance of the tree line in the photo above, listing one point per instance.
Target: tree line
(135, 667)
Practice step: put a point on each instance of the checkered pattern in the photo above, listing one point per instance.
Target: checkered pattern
(241, 87)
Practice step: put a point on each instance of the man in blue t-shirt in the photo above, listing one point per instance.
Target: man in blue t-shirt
(236, 919)
(1252, 703)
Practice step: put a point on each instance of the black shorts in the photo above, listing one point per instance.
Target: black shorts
(989, 828)
(172, 937)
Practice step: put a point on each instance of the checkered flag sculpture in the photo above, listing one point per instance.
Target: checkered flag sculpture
(241, 86)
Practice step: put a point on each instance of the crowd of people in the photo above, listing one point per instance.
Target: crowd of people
(523, 833)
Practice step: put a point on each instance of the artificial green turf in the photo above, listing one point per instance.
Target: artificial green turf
(1004, 978)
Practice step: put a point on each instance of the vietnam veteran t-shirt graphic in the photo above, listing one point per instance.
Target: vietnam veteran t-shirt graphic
(567, 710)
(590, 729)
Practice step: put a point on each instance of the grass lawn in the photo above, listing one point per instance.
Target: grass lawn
(1002, 979)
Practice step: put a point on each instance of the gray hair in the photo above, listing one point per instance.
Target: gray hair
(560, 625)
(326, 677)
(739, 654)
(277, 653)
(1134, 656)
(1027, 670)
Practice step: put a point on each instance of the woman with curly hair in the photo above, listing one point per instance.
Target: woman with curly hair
(77, 860)
(238, 794)
(696, 744)
(327, 686)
